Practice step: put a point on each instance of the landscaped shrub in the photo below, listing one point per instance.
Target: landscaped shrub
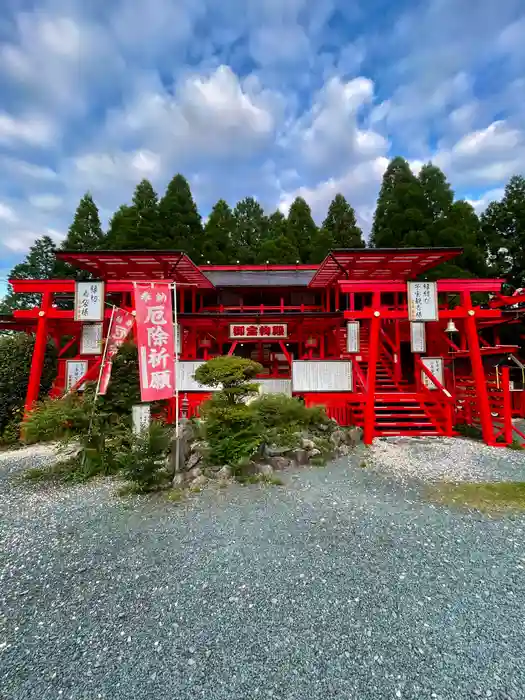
(123, 389)
(58, 419)
(143, 460)
(276, 410)
(16, 352)
(233, 375)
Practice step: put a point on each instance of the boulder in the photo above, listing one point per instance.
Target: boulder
(200, 447)
(299, 456)
(279, 463)
(307, 444)
(315, 452)
(265, 469)
(192, 461)
(273, 451)
(198, 482)
(344, 450)
(224, 472)
(354, 436)
(194, 473)
(338, 437)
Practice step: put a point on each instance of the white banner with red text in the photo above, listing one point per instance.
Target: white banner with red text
(119, 328)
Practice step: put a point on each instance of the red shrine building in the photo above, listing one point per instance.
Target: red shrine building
(363, 334)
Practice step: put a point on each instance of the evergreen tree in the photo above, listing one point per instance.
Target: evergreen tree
(503, 227)
(302, 230)
(218, 231)
(85, 233)
(145, 212)
(39, 264)
(277, 248)
(438, 193)
(339, 229)
(402, 214)
(250, 229)
(180, 225)
(120, 229)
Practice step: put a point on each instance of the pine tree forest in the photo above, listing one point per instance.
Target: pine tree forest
(412, 211)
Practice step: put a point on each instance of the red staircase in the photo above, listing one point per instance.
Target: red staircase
(398, 408)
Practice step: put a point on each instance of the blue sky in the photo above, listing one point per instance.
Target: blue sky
(269, 98)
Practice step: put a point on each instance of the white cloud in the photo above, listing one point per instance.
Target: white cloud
(32, 130)
(482, 202)
(7, 214)
(23, 169)
(46, 202)
(359, 184)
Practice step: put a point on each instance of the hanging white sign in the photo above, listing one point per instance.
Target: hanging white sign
(418, 336)
(352, 336)
(89, 301)
(75, 370)
(185, 376)
(422, 301)
(321, 375)
(141, 415)
(275, 386)
(177, 338)
(91, 339)
(435, 366)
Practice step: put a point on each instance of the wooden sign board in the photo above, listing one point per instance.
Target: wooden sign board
(321, 375)
(89, 301)
(141, 415)
(422, 301)
(418, 336)
(434, 365)
(75, 370)
(256, 331)
(185, 380)
(91, 339)
(352, 336)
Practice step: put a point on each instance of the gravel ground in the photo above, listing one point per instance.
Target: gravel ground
(451, 459)
(343, 584)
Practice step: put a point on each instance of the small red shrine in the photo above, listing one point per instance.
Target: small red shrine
(362, 333)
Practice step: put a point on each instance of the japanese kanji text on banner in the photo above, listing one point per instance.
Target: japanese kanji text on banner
(121, 324)
(155, 341)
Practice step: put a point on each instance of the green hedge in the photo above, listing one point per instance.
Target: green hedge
(16, 352)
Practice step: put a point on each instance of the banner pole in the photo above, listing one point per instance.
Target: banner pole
(177, 419)
(104, 353)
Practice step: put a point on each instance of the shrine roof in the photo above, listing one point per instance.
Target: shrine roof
(379, 264)
(138, 265)
(261, 277)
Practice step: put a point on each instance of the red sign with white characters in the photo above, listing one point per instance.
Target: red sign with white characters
(251, 331)
(155, 341)
(121, 324)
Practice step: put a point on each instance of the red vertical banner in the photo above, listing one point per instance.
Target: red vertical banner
(155, 341)
(120, 326)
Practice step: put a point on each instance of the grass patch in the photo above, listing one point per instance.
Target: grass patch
(515, 445)
(363, 465)
(67, 472)
(260, 479)
(486, 497)
(175, 495)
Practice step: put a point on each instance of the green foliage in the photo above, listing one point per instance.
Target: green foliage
(250, 229)
(340, 229)
(469, 431)
(233, 374)
(124, 388)
(302, 230)
(57, 419)
(503, 232)
(142, 460)
(232, 431)
(485, 497)
(39, 263)
(402, 214)
(277, 247)
(216, 243)
(180, 226)
(136, 227)
(85, 233)
(278, 410)
(16, 352)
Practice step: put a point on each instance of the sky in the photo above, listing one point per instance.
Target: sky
(264, 98)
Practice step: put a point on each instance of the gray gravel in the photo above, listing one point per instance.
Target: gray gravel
(450, 459)
(343, 584)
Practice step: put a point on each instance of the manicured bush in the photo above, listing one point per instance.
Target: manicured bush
(276, 410)
(233, 375)
(16, 352)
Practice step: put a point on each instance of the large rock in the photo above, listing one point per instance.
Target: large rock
(354, 436)
(279, 463)
(307, 444)
(192, 461)
(299, 456)
(315, 452)
(270, 451)
(265, 469)
(338, 437)
(224, 472)
(194, 473)
(198, 482)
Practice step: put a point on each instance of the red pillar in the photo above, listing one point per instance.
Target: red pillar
(37, 362)
(369, 413)
(478, 371)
